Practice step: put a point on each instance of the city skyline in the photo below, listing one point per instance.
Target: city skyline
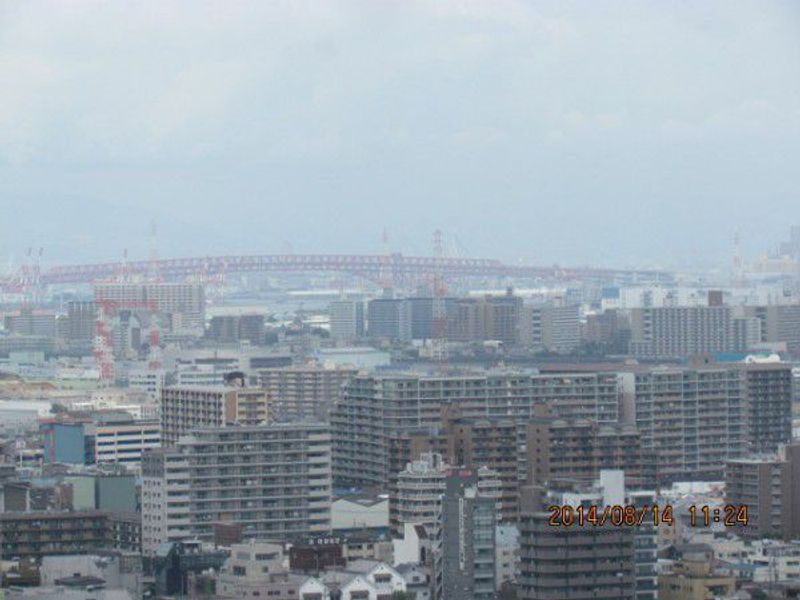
(609, 134)
(425, 300)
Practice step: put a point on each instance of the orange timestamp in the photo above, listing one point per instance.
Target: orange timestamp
(619, 515)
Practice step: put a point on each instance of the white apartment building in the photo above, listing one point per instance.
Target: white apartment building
(273, 480)
(165, 499)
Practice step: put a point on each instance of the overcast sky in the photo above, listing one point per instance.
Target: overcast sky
(606, 133)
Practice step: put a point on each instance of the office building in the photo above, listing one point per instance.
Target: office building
(184, 408)
(464, 556)
(346, 321)
(308, 390)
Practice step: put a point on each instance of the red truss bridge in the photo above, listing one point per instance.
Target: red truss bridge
(396, 268)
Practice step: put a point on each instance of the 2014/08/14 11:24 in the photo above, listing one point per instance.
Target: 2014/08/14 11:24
(630, 516)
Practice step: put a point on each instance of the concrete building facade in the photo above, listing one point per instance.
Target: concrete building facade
(274, 481)
(304, 391)
(184, 408)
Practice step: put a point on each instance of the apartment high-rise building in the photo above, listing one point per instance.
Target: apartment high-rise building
(237, 328)
(389, 318)
(551, 328)
(165, 499)
(502, 317)
(608, 331)
(184, 408)
(31, 322)
(645, 545)
(471, 443)
(374, 408)
(464, 321)
(346, 321)
(680, 331)
(308, 390)
(184, 302)
(422, 318)
(274, 481)
(583, 562)
(81, 317)
(746, 333)
(692, 419)
(494, 318)
(780, 323)
(769, 397)
(34, 535)
(769, 486)
(417, 497)
(578, 449)
(464, 551)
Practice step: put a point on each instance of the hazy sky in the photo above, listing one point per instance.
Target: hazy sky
(607, 133)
